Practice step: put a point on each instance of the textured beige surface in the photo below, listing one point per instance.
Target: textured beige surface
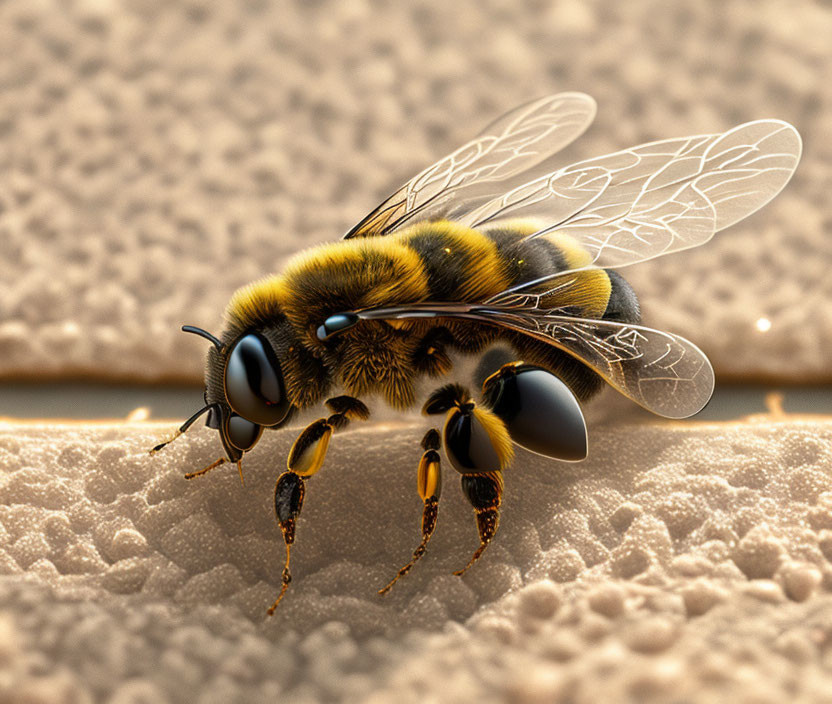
(679, 563)
(156, 155)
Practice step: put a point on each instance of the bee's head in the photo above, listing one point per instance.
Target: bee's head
(245, 389)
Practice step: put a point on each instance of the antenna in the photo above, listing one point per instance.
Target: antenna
(203, 333)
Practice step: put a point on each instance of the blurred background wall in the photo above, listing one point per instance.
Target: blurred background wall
(155, 155)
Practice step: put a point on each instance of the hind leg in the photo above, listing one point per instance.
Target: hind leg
(484, 491)
(540, 411)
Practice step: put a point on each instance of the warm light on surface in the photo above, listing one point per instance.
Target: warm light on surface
(774, 404)
(763, 325)
(137, 415)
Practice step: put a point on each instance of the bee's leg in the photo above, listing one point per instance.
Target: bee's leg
(478, 446)
(484, 491)
(429, 481)
(205, 470)
(288, 501)
(349, 407)
(234, 455)
(305, 459)
(430, 356)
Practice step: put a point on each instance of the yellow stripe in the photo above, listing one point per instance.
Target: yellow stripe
(591, 289)
(497, 433)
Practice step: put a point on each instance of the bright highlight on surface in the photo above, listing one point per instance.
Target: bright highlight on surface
(138, 415)
(763, 325)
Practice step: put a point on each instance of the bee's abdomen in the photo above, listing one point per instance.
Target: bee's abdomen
(596, 293)
(623, 304)
(526, 260)
(459, 264)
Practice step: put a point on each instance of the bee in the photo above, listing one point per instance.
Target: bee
(481, 249)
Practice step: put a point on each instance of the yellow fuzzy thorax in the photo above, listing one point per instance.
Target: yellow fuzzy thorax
(380, 271)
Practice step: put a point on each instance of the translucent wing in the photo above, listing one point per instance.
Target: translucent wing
(656, 198)
(516, 141)
(662, 372)
(622, 208)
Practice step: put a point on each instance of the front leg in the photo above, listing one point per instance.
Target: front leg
(305, 459)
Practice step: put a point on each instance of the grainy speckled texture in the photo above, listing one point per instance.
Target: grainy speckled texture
(680, 563)
(156, 155)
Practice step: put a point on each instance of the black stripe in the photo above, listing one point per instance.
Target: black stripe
(526, 260)
(623, 305)
(447, 262)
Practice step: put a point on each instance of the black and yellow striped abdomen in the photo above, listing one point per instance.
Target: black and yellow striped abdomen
(464, 265)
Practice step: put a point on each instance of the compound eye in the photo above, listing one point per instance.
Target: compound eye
(241, 433)
(253, 381)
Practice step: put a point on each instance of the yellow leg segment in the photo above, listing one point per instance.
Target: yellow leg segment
(205, 470)
(305, 459)
(429, 481)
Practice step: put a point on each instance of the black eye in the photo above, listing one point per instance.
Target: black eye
(241, 433)
(253, 381)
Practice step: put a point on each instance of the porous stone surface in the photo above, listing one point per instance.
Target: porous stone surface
(680, 562)
(156, 155)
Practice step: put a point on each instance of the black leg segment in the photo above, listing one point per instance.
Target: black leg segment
(484, 491)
